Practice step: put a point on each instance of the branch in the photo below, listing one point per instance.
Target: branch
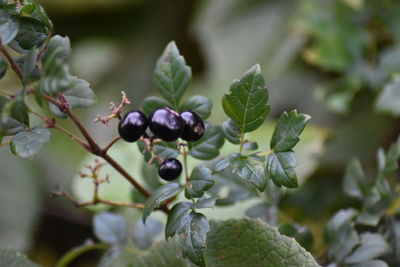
(12, 62)
(109, 145)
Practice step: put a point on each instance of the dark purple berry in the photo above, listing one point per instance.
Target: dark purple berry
(132, 125)
(193, 126)
(170, 169)
(166, 124)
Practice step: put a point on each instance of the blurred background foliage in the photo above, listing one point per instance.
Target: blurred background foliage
(333, 59)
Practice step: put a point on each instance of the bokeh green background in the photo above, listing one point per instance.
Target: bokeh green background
(327, 58)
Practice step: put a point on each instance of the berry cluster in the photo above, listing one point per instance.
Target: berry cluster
(167, 125)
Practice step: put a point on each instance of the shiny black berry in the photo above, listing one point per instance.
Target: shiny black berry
(132, 125)
(166, 124)
(193, 126)
(170, 169)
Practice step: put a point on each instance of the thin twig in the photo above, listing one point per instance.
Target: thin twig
(110, 144)
(12, 62)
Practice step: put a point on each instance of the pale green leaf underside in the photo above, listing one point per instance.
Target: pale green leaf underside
(246, 101)
(249, 170)
(249, 242)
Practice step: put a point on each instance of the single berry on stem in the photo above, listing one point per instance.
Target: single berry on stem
(193, 126)
(170, 169)
(166, 124)
(132, 125)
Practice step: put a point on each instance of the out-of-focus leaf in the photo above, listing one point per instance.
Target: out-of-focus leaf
(264, 212)
(159, 196)
(338, 221)
(8, 125)
(199, 104)
(280, 168)
(110, 228)
(246, 101)
(28, 143)
(205, 203)
(31, 34)
(373, 263)
(13, 258)
(228, 241)
(19, 111)
(388, 162)
(372, 246)
(287, 131)
(163, 254)
(200, 180)
(144, 234)
(3, 67)
(163, 149)
(172, 76)
(208, 146)
(389, 99)
(29, 68)
(345, 240)
(249, 169)
(355, 183)
(152, 103)
(8, 27)
(301, 233)
(251, 146)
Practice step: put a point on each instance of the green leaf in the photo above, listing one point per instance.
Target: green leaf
(205, 203)
(246, 101)
(343, 243)
(29, 68)
(163, 149)
(28, 143)
(389, 99)
(36, 11)
(372, 246)
(373, 263)
(390, 160)
(201, 105)
(163, 254)
(158, 197)
(58, 49)
(287, 131)
(301, 233)
(177, 217)
(79, 94)
(8, 125)
(231, 132)
(280, 168)
(338, 221)
(252, 243)
(355, 183)
(144, 235)
(229, 187)
(191, 238)
(250, 146)
(19, 111)
(3, 67)
(172, 76)
(152, 103)
(208, 146)
(110, 228)
(13, 258)
(200, 180)
(249, 169)
(32, 33)
(8, 27)
(150, 172)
